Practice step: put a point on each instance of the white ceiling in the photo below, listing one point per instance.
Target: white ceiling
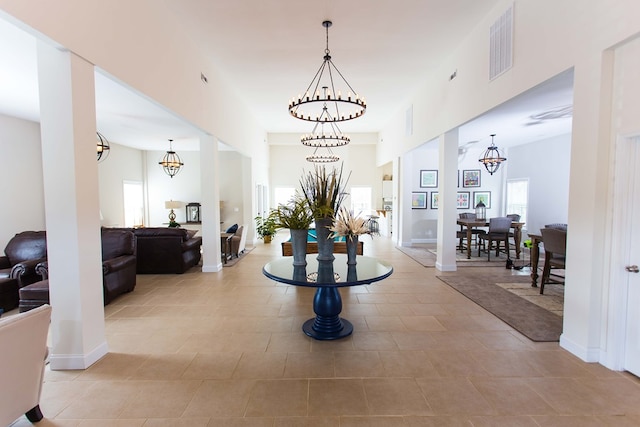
(269, 52)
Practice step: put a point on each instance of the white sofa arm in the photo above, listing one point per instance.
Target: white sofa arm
(23, 339)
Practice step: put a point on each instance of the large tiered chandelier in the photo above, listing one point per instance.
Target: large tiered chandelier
(326, 106)
(315, 101)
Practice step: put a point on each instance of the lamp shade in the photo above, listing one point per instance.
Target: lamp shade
(172, 204)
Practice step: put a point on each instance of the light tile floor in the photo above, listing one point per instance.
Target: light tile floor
(226, 349)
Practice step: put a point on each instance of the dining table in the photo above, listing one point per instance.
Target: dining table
(470, 223)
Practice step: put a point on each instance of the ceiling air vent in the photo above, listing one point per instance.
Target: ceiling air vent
(501, 44)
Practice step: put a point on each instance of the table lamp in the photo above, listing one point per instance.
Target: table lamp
(171, 204)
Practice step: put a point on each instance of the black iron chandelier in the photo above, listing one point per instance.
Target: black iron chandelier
(317, 157)
(492, 158)
(103, 147)
(171, 162)
(327, 105)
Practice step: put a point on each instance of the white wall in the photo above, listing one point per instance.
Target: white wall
(21, 177)
(546, 165)
(288, 163)
(232, 170)
(123, 164)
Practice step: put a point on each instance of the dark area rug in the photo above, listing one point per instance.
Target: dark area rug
(233, 261)
(425, 254)
(531, 320)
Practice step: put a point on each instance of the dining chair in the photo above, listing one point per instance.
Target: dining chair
(462, 234)
(514, 218)
(498, 232)
(555, 250)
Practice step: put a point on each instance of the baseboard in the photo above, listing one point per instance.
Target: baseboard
(61, 362)
(424, 241)
(590, 355)
(450, 267)
(212, 268)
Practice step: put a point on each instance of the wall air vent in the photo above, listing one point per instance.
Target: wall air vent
(501, 44)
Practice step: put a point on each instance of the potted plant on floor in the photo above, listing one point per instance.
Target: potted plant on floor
(267, 227)
(297, 217)
(324, 192)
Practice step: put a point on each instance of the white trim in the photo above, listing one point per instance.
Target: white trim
(441, 267)
(212, 268)
(619, 243)
(590, 355)
(77, 361)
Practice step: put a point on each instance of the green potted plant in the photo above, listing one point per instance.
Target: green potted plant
(267, 227)
(297, 217)
(324, 192)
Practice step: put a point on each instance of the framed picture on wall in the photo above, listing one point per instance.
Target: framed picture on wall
(482, 196)
(471, 178)
(434, 200)
(463, 199)
(419, 200)
(428, 179)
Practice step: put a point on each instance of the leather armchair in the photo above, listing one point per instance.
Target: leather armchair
(118, 270)
(23, 252)
(118, 263)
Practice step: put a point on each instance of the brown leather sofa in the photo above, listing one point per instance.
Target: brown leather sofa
(166, 250)
(23, 252)
(118, 271)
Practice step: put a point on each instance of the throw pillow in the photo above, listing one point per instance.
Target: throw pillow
(232, 229)
(191, 233)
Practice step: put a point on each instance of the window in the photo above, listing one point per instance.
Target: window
(283, 194)
(518, 197)
(361, 200)
(133, 204)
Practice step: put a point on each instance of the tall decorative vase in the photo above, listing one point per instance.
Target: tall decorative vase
(352, 249)
(325, 244)
(299, 246)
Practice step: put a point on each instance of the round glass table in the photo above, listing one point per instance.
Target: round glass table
(327, 277)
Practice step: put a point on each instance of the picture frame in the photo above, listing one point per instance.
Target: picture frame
(419, 200)
(485, 196)
(471, 178)
(463, 200)
(428, 179)
(434, 200)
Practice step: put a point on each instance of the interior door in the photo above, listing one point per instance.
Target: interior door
(632, 340)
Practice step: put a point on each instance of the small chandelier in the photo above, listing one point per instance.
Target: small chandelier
(491, 159)
(326, 107)
(171, 162)
(322, 158)
(103, 147)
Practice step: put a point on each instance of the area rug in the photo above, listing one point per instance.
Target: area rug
(233, 261)
(531, 320)
(425, 254)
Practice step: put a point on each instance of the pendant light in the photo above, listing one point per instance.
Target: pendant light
(492, 158)
(171, 163)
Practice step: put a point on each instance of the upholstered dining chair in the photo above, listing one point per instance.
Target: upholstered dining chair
(555, 250)
(498, 232)
(514, 218)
